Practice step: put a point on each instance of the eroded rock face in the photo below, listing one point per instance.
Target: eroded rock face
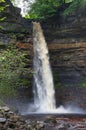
(13, 24)
(12, 14)
(69, 64)
(13, 21)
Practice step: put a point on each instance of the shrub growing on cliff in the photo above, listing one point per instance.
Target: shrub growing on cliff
(3, 6)
(2, 9)
(12, 66)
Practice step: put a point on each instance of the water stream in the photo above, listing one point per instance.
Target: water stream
(43, 81)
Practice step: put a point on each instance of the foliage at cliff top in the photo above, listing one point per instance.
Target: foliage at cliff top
(43, 9)
(77, 6)
(47, 8)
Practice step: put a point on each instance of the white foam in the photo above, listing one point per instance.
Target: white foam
(59, 110)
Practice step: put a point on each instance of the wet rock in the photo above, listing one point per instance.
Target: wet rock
(1, 126)
(5, 108)
(2, 120)
(16, 122)
(39, 126)
(51, 120)
(1, 115)
(10, 120)
(10, 112)
(14, 118)
(63, 127)
(0, 108)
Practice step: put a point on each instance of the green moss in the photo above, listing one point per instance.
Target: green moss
(84, 82)
(56, 79)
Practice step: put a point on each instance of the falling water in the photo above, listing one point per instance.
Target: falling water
(24, 5)
(43, 81)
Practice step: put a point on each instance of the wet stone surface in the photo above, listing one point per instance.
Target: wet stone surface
(57, 123)
(12, 121)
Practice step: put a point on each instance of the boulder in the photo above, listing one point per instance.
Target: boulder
(2, 120)
(13, 21)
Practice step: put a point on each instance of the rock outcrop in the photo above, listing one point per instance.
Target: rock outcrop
(11, 121)
(13, 25)
(13, 21)
(66, 38)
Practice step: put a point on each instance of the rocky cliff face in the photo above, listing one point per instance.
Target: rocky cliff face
(67, 29)
(13, 21)
(69, 67)
(67, 43)
(66, 38)
(13, 24)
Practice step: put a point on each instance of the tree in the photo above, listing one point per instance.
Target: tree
(47, 8)
(44, 8)
(76, 6)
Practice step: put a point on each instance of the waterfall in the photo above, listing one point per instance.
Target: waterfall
(44, 100)
(43, 81)
(43, 89)
(24, 5)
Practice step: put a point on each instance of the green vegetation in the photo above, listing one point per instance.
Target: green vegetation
(42, 9)
(2, 9)
(77, 6)
(3, 6)
(84, 82)
(56, 80)
(13, 71)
